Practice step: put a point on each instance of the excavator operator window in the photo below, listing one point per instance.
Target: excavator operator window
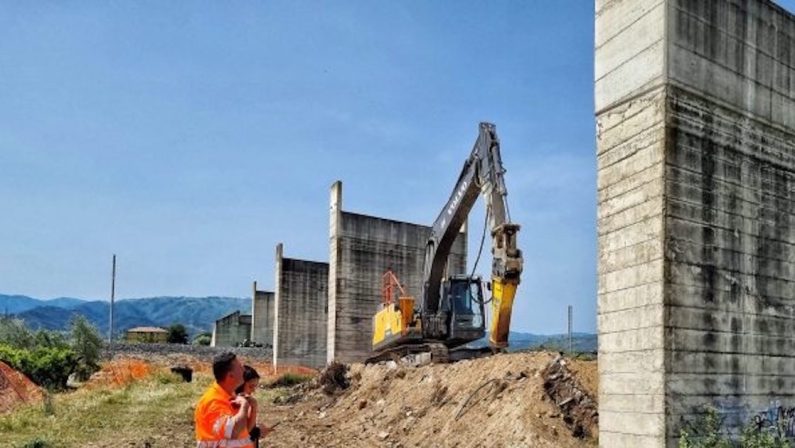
(467, 297)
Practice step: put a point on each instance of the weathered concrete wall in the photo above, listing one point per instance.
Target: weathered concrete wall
(696, 160)
(300, 311)
(730, 190)
(631, 143)
(362, 248)
(262, 310)
(231, 330)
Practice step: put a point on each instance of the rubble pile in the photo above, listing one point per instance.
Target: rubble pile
(498, 401)
(334, 378)
(579, 409)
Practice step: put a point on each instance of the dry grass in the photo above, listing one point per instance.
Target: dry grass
(130, 403)
(151, 411)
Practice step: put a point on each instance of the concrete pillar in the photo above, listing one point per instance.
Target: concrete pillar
(277, 300)
(302, 316)
(262, 304)
(253, 310)
(335, 227)
(696, 167)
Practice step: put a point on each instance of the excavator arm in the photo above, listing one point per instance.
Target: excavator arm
(481, 175)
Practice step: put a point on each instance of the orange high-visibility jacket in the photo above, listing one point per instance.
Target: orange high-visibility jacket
(214, 423)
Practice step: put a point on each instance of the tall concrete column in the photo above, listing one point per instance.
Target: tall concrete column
(277, 300)
(335, 228)
(253, 311)
(696, 190)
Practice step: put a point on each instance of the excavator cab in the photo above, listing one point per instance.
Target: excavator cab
(463, 301)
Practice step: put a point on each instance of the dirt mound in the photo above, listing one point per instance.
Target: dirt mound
(498, 401)
(16, 389)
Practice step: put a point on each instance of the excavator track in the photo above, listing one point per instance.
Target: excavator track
(440, 353)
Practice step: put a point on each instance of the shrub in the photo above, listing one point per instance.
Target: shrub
(48, 367)
(705, 432)
(754, 438)
(37, 443)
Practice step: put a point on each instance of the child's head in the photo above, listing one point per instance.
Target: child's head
(250, 381)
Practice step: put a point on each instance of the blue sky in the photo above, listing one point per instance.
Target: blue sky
(191, 137)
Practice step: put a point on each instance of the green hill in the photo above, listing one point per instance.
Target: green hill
(196, 313)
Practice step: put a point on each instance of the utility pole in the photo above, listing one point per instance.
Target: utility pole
(112, 297)
(571, 347)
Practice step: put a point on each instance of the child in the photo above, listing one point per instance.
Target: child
(250, 383)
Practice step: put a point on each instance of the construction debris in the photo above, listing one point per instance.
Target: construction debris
(334, 378)
(580, 411)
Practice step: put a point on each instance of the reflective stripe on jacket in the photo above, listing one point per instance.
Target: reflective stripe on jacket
(224, 443)
(214, 422)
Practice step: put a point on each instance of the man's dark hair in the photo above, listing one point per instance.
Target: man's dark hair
(222, 364)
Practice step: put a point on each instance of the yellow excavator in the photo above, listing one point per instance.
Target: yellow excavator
(450, 312)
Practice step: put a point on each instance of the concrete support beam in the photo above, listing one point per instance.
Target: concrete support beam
(695, 106)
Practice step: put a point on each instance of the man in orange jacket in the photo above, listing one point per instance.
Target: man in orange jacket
(221, 417)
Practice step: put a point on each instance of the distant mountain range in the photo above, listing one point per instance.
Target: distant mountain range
(580, 342)
(197, 314)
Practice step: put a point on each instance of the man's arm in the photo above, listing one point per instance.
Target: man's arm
(240, 420)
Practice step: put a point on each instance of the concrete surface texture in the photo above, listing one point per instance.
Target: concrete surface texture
(232, 329)
(696, 177)
(300, 311)
(362, 248)
(262, 309)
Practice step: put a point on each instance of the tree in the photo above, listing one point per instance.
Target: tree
(177, 334)
(14, 333)
(87, 344)
(203, 339)
(50, 339)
